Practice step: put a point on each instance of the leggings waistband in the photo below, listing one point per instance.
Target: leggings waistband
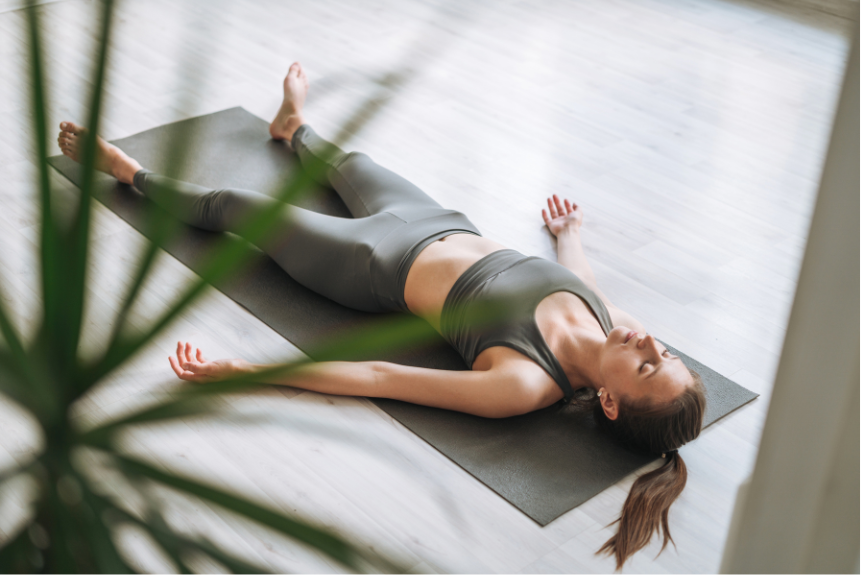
(394, 255)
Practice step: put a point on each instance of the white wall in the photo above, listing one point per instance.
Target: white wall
(800, 510)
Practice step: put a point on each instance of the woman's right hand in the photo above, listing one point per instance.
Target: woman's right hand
(196, 368)
(562, 217)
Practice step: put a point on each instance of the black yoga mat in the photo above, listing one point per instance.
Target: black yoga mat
(544, 463)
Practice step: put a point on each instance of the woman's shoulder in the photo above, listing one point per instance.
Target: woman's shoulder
(520, 371)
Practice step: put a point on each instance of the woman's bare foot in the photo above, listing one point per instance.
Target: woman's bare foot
(290, 116)
(109, 158)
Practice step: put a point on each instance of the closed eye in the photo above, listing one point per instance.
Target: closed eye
(646, 363)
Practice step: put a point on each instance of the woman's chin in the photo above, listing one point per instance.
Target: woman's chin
(618, 335)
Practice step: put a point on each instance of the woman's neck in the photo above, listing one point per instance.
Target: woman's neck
(578, 351)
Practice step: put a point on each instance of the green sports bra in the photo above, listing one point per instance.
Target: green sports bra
(493, 304)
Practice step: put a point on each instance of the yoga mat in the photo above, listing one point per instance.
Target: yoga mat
(544, 463)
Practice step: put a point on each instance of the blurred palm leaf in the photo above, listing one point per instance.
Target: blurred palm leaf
(72, 526)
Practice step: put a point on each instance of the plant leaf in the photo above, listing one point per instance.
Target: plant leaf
(161, 225)
(68, 552)
(32, 389)
(19, 555)
(388, 335)
(155, 524)
(169, 546)
(319, 539)
(51, 263)
(13, 354)
(107, 557)
(10, 381)
(66, 345)
(174, 544)
(236, 565)
(10, 473)
(230, 255)
(100, 437)
(162, 233)
(225, 259)
(44, 401)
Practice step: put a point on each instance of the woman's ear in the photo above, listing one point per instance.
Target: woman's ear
(610, 406)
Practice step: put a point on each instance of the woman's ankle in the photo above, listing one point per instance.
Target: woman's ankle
(124, 168)
(284, 128)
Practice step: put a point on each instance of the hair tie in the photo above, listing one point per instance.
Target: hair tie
(670, 453)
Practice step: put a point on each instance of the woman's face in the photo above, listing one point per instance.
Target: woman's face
(637, 366)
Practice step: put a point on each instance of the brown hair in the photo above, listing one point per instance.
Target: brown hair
(644, 427)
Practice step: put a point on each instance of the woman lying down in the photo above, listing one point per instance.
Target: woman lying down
(403, 251)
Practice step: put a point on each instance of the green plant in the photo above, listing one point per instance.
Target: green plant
(74, 516)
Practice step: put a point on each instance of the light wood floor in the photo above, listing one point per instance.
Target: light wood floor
(691, 132)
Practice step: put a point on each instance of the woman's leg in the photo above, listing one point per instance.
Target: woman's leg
(366, 187)
(326, 254)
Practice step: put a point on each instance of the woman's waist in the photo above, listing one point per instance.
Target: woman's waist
(437, 268)
(478, 300)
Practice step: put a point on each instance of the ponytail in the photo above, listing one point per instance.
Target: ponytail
(646, 510)
(644, 427)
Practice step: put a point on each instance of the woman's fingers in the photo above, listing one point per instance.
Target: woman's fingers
(187, 371)
(183, 352)
(553, 213)
(181, 373)
(188, 366)
(175, 366)
(191, 364)
(545, 216)
(561, 210)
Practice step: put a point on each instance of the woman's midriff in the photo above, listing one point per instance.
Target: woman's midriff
(436, 269)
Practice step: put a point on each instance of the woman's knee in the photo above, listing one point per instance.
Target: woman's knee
(354, 161)
(363, 174)
(229, 208)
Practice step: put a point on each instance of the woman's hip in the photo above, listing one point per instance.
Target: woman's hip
(361, 263)
(393, 256)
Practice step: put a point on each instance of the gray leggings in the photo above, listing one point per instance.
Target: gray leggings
(360, 262)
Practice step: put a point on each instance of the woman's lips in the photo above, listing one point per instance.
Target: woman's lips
(630, 335)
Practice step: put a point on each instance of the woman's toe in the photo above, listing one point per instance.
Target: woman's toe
(73, 128)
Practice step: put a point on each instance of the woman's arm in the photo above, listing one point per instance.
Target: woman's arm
(496, 393)
(564, 221)
(571, 255)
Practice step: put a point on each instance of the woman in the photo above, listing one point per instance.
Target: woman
(403, 251)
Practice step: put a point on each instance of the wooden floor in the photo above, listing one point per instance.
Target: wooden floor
(691, 132)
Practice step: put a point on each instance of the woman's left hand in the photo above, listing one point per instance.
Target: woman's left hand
(562, 216)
